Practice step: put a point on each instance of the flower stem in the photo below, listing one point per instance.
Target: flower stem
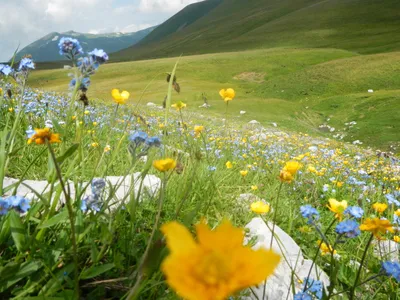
(353, 289)
(71, 218)
(275, 214)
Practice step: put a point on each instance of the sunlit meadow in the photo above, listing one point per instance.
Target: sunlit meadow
(80, 237)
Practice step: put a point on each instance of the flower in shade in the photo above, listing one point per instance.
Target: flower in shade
(119, 98)
(138, 137)
(259, 207)
(392, 268)
(153, 141)
(354, 211)
(227, 95)
(325, 249)
(309, 212)
(228, 165)
(379, 207)
(164, 165)
(338, 207)
(69, 46)
(214, 266)
(25, 64)
(178, 105)
(42, 135)
(5, 70)
(99, 56)
(376, 226)
(4, 206)
(349, 228)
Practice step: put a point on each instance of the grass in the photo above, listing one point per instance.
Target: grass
(300, 88)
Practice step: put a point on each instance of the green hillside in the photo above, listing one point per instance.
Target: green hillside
(362, 26)
(299, 89)
(46, 48)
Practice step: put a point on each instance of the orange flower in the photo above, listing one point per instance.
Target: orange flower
(42, 135)
(376, 226)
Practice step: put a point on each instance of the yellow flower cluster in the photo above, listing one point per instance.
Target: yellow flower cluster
(42, 135)
(289, 171)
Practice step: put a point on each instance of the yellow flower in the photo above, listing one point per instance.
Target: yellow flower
(94, 123)
(86, 112)
(119, 98)
(227, 95)
(254, 187)
(379, 207)
(11, 109)
(164, 165)
(42, 135)
(198, 129)
(107, 148)
(178, 105)
(325, 249)
(73, 118)
(244, 173)
(397, 212)
(94, 144)
(289, 171)
(396, 238)
(286, 176)
(215, 266)
(260, 207)
(229, 165)
(338, 207)
(161, 125)
(376, 226)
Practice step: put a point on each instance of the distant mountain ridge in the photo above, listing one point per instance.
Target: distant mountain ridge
(361, 26)
(46, 48)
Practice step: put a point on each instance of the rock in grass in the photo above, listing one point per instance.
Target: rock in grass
(293, 265)
(386, 250)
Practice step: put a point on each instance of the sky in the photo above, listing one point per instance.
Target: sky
(25, 21)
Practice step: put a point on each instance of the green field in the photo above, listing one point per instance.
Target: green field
(299, 89)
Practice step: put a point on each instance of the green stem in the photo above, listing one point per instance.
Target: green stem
(353, 289)
(275, 206)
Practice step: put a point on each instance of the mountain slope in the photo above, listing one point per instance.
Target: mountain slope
(46, 48)
(363, 26)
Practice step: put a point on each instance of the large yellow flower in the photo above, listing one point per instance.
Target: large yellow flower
(42, 135)
(217, 265)
(179, 105)
(376, 226)
(119, 98)
(227, 94)
(164, 165)
(338, 207)
(289, 171)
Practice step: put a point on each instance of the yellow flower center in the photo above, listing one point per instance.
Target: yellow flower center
(212, 268)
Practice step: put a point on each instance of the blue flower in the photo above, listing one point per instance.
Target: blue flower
(26, 64)
(212, 168)
(153, 141)
(98, 185)
(312, 287)
(354, 211)
(5, 69)
(349, 228)
(138, 137)
(83, 205)
(392, 200)
(30, 132)
(69, 46)
(87, 65)
(99, 55)
(392, 268)
(302, 296)
(4, 206)
(84, 83)
(309, 212)
(21, 204)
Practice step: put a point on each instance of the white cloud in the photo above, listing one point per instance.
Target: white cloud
(164, 5)
(135, 27)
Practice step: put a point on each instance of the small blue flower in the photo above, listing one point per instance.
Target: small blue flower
(30, 132)
(153, 141)
(302, 296)
(313, 288)
(138, 137)
(4, 206)
(392, 268)
(98, 185)
(99, 55)
(212, 168)
(69, 46)
(83, 205)
(26, 64)
(309, 212)
(84, 83)
(354, 211)
(392, 200)
(349, 228)
(21, 204)
(5, 69)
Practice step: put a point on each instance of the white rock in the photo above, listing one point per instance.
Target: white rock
(278, 285)
(260, 136)
(242, 112)
(254, 122)
(274, 124)
(386, 250)
(370, 91)
(205, 105)
(151, 104)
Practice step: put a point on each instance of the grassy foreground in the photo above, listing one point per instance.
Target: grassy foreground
(299, 89)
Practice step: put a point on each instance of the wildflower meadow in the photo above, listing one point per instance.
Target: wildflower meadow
(116, 199)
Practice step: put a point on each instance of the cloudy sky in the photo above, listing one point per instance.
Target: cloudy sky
(24, 21)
